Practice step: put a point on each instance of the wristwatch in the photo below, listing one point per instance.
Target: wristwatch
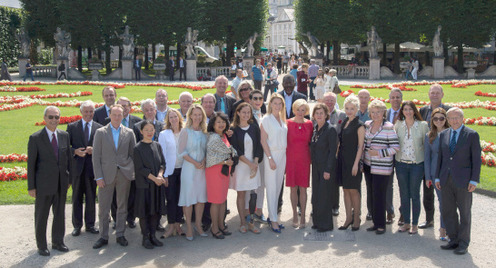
(225, 162)
(270, 157)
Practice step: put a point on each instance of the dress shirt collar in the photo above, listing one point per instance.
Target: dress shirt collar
(49, 132)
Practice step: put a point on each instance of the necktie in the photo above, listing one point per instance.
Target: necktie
(124, 122)
(453, 142)
(394, 117)
(87, 133)
(55, 146)
(223, 105)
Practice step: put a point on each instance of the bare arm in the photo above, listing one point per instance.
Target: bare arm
(265, 146)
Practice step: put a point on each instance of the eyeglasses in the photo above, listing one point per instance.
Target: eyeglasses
(244, 88)
(53, 116)
(257, 98)
(435, 119)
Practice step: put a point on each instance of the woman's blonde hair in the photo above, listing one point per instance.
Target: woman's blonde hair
(378, 104)
(353, 100)
(301, 102)
(189, 120)
(282, 113)
(168, 124)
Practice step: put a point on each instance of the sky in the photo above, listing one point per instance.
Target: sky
(10, 3)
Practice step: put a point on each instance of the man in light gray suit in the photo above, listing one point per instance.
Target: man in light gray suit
(113, 148)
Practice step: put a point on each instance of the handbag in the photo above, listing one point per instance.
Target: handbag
(336, 89)
(225, 170)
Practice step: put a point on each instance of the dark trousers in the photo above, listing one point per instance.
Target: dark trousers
(428, 202)
(321, 199)
(42, 206)
(269, 89)
(130, 203)
(389, 195)
(171, 75)
(174, 212)
(181, 72)
(62, 73)
(28, 75)
(457, 198)
(311, 87)
(137, 73)
(376, 190)
(83, 186)
(149, 224)
(257, 84)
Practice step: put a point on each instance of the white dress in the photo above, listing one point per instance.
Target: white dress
(241, 180)
(193, 183)
(319, 88)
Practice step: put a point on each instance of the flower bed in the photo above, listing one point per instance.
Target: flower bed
(481, 121)
(62, 95)
(20, 89)
(13, 174)
(487, 146)
(488, 159)
(63, 120)
(9, 158)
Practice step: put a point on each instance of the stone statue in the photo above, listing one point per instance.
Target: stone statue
(314, 50)
(191, 40)
(303, 49)
(24, 41)
(127, 44)
(373, 41)
(62, 40)
(437, 44)
(249, 45)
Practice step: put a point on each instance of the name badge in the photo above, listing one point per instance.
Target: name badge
(303, 80)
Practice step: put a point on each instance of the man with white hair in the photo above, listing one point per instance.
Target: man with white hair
(457, 176)
(185, 101)
(161, 99)
(363, 112)
(81, 135)
(223, 102)
(149, 110)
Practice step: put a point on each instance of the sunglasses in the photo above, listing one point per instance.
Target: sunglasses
(244, 88)
(257, 98)
(53, 116)
(435, 119)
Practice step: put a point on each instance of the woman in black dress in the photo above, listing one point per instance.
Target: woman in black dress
(323, 149)
(350, 152)
(149, 167)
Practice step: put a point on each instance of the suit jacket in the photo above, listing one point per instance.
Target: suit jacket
(77, 140)
(426, 109)
(296, 95)
(107, 160)
(159, 126)
(336, 119)
(132, 121)
(229, 103)
(45, 172)
(100, 115)
(391, 120)
(464, 164)
(323, 150)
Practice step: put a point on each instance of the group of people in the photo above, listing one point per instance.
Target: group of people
(181, 163)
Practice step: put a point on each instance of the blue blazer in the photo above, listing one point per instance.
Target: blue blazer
(464, 164)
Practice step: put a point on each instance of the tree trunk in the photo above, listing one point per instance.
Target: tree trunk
(100, 52)
(396, 58)
(80, 59)
(384, 54)
(427, 59)
(335, 52)
(459, 65)
(178, 49)
(230, 45)
(108, 66)
(145, 62)
(120, 57)
(154, 51)
(90, 53)
(445, 53)
(328, 50)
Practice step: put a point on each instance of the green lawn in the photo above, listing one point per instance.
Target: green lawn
(17, 125)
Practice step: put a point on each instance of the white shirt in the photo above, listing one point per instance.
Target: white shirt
(277, 133)
(50, 133)
(169, 148)
(288, 100)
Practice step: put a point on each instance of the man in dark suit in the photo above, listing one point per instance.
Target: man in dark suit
(137, 68)
(128, 121)
(457, 176)
(81, 135)
(170, 67)
(113, 149)
(289, 94)
(49, 163)
(436, 95)
(109, 94)
(150, 111)
(161, 99)
(223, 103)
(182, 69)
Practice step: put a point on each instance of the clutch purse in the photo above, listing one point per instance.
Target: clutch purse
(225, 170)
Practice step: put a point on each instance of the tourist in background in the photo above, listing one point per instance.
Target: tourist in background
(431, 150)
(323, 150)
(349, 170)
(409, 163)
(331, 80)
(298, 159)
(303, 80)
(192, 145)
(168, 140)
(219, 163)
(271, 82)
(381, 143)
(319, 86)
(415, 65)
(313, 71)
(257, 74)
(274, 141)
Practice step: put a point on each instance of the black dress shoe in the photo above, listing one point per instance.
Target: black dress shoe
(100, 243)
(449, 246)
(60, 247)
(461, 250)
(155, 241)
(92, 230)
(76, 232)
(335, 212)
(426, 225)
(379, 232)
(131, 224)
(122, 241)
(314, 227)
(44, 252)
(369, 217)
(371, 229)
(147, 243)
(160, 228)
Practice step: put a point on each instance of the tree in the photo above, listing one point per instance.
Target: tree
(232, 22)
(43, 18)
(10, 21)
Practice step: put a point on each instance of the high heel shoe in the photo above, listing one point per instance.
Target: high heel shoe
(354, 229)
(344, 227)
(217, 235)
(278, 230)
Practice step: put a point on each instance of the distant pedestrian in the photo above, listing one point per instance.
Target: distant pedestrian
(5, 71)
(29, 71)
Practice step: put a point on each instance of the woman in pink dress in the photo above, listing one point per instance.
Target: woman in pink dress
(298, 158)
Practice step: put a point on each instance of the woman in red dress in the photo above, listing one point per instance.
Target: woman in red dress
(298, 158)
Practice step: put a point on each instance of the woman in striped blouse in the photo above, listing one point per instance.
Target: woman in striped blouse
(381, 143)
